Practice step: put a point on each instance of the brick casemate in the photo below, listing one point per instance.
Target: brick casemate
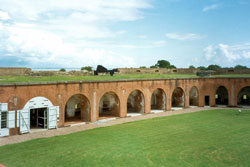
(18, 94)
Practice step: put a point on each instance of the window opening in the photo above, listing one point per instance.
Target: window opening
(3, 120)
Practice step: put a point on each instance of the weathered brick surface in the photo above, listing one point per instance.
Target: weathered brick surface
(17, 95)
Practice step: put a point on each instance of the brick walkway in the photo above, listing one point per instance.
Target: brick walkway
(68, 130)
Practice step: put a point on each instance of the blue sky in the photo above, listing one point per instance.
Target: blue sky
(131, 33)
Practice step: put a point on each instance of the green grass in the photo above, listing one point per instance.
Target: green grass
(207, 138)
(101, 77)
(11, 79)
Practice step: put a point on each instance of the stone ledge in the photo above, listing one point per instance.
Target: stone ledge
(108, 81)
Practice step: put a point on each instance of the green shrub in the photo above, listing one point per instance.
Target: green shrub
(88, 68)
(62, 70)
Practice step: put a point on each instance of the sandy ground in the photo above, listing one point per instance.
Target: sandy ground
(73, 129)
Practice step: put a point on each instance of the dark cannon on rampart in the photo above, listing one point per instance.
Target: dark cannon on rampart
(101, 69)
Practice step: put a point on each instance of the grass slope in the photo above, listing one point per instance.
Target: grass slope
(10, 79)
(207, 138)
(100, 77)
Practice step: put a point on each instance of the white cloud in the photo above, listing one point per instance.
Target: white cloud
(81, 18)
(4, 15)
(209, 52)
(184, 37)
(246, 54)
(56, 31)
(97, 9)
(210, 7)
(222, 53)
(42, 48)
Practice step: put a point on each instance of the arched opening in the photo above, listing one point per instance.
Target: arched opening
(136, 102)
(221, 96)
(38, 113)
(158, 100)
(178, 97)
(243, 98)
(194, 96)
(77, 109)
(109, 106)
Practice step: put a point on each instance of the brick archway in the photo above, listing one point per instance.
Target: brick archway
(77, 109)
(109, 105)
(158, 99)
(178, 97)
(243, 97)
(136, 102)
(221, 96)
(194, 96)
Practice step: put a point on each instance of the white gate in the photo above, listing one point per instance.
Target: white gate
(11, 119)
(52, 117)
(24, 118)
(4, 131)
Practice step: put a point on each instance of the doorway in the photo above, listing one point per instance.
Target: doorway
(243, 98)
(178, 99)
(109, 106)
(77, 110)
(221, 96)
(135, 103)
(158, 100)
(193, 97)
(38, 114)
(38, 118)
(207, 101)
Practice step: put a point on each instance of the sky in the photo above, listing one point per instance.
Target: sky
(131, 33)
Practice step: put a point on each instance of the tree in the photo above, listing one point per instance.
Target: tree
(240, 67)
(163, 64)
(62, 70)
(153, 67)
(172, 66)
(192, 67)
(143, 67)
(213, 67)
(88, 68)
(202, 68)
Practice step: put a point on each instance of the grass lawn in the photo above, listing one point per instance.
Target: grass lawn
(206, 138)
(9, 79)
(88, 78)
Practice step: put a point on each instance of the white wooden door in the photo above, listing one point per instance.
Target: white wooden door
(4, 131)
(24, 118)
(11, 119)
(52, 117)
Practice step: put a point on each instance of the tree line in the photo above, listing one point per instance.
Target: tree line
(161, 64)
(167, 64)
(216, 67)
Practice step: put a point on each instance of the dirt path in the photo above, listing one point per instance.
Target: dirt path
(68, 130)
